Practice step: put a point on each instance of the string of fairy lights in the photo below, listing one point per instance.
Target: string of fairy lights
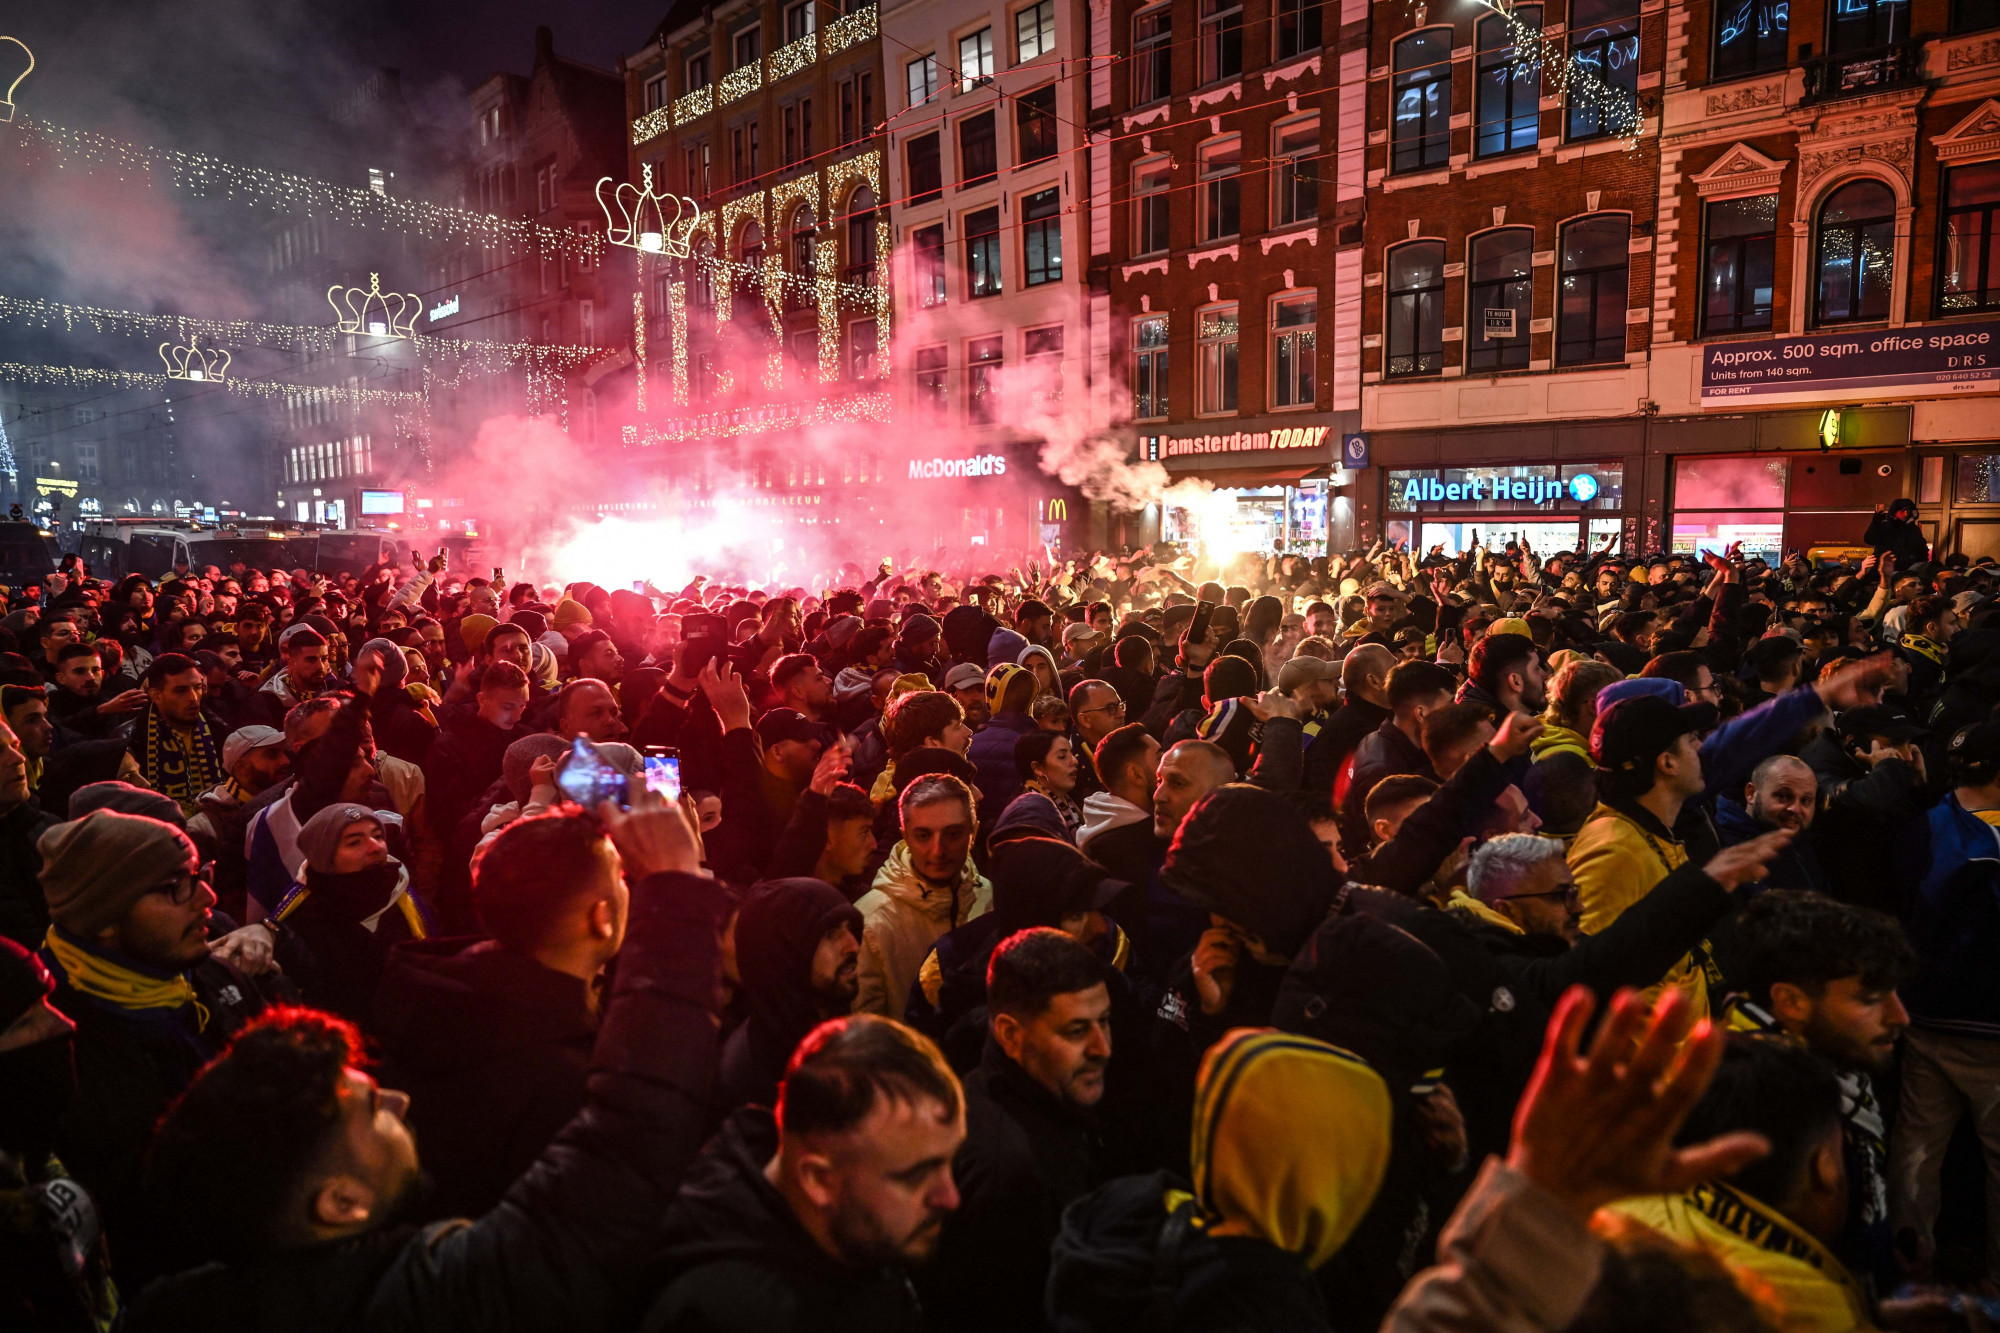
(95, 377)
(1569, 76)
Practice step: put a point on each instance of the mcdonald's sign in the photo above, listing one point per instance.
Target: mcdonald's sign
(1056, 511)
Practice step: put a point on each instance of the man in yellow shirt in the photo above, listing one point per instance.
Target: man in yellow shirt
(1649, 765)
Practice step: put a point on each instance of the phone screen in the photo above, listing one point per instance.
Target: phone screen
(663, 775)
(588, 780)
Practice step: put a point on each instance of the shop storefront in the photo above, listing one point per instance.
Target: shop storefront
(1549, 506)
(1259, 486)
(1777, 503)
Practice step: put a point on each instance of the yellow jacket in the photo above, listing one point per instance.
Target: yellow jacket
(1559, 740)
(1814, 1293)
(1615, 863)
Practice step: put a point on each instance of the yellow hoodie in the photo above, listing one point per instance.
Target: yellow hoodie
(1559, 740)
(1812, 1289)
(1291, 1138)
(1615, 863)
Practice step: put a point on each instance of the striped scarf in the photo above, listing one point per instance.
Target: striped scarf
(180, 764)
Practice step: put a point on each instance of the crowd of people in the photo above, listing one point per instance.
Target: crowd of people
(1394, 940)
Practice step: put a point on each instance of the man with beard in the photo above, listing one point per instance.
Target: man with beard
(303, 676)
(78, 702)
(1031, 1145)
(810, 1217)
(1823, 975)
(177, 742)
(1505, 676)
(798, 951)
(1782, 793)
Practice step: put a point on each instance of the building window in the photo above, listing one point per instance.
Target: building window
(1739, 259)
(1035, 125)
(1499, 299)
(1592, 291)
(1966, 16)
(802, 243)
(862, 346)
(1750, 37)
(749, 297)
(1420, 111)
(699, 165)
(700, 71)
(1295, 172)
(1149, 368)
(1864, 25)
(1041, 237)
(926, 168)
(927, 259)
(1298, 25)
(800, 19)
(1216, 339)
(1034, 31)
(922, 80)
(1041, 350)
(1221, 189)
(983, 359)
(1221, 39)
(795, 149)
(586, 322)
(860, 237)
(547, 184)
(857, 108)
(656, 94)
(1293, 348)
(934, 380)
(1969, 249)
(1603, 48)
(748, 45)
(982, 252)
(1856, 243)
(978, 149)
(1507, 118)
(1416, 310)
(1150, 197)
(975, 60)
(1152, 55)
(738, 169)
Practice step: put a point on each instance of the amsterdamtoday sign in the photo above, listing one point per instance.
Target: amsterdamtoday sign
(1244, 441)
(1927, 358)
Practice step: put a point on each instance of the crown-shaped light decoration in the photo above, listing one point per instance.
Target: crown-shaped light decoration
(195, 363)
(641, 218)
(375, 312)
(21, 63)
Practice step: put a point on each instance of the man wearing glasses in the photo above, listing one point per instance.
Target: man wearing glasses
(1096, 711)
(130, 954)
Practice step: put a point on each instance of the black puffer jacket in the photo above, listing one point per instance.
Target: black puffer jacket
(735, 1260)
(494, 1050)
(562, 1248)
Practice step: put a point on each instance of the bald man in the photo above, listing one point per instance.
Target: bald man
(1782, 793)
(1364, 707)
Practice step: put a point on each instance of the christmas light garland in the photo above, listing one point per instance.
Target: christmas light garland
(1569, 77)
(848, 409)
(18, 372)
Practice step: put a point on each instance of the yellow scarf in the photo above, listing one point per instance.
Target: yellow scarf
(1462, 902)
(99, 977)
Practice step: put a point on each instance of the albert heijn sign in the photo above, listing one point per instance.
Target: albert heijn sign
(1238, 442)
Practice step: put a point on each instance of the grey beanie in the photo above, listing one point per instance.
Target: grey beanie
(95, 868)
(521, 756)
(319, 837)
(126, 799)
(394, 667)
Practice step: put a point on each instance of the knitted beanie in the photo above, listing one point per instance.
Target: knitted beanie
(473, 631)
(570, 612)
(95, 868)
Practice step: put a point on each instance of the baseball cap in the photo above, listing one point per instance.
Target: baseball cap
(1510, 625)
(964, 676)
(245, 739)
(1079, 630)
(1884, 720)
(1304, 670)
(1633, 732)
(293, 631)
(1039, 881)
(789, 724)
(1974, 752)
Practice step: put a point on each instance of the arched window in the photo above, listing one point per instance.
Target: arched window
(1416, 310)
(750, 245)
(1507, 116)
(1591, 293)
(1500, 279)
(1420, 105)
(860, 236)
(1856, 261)
(802, 241)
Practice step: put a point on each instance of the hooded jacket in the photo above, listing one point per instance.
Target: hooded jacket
(1813, 1290)
(1004, 645)
(1103, 812)
(493, 1049)
(1291, 1143)
(992, 753)
(902, 917)
(338, 930)
(1618, 857)
(967, 632)
(734, 1259)
(777, 932)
